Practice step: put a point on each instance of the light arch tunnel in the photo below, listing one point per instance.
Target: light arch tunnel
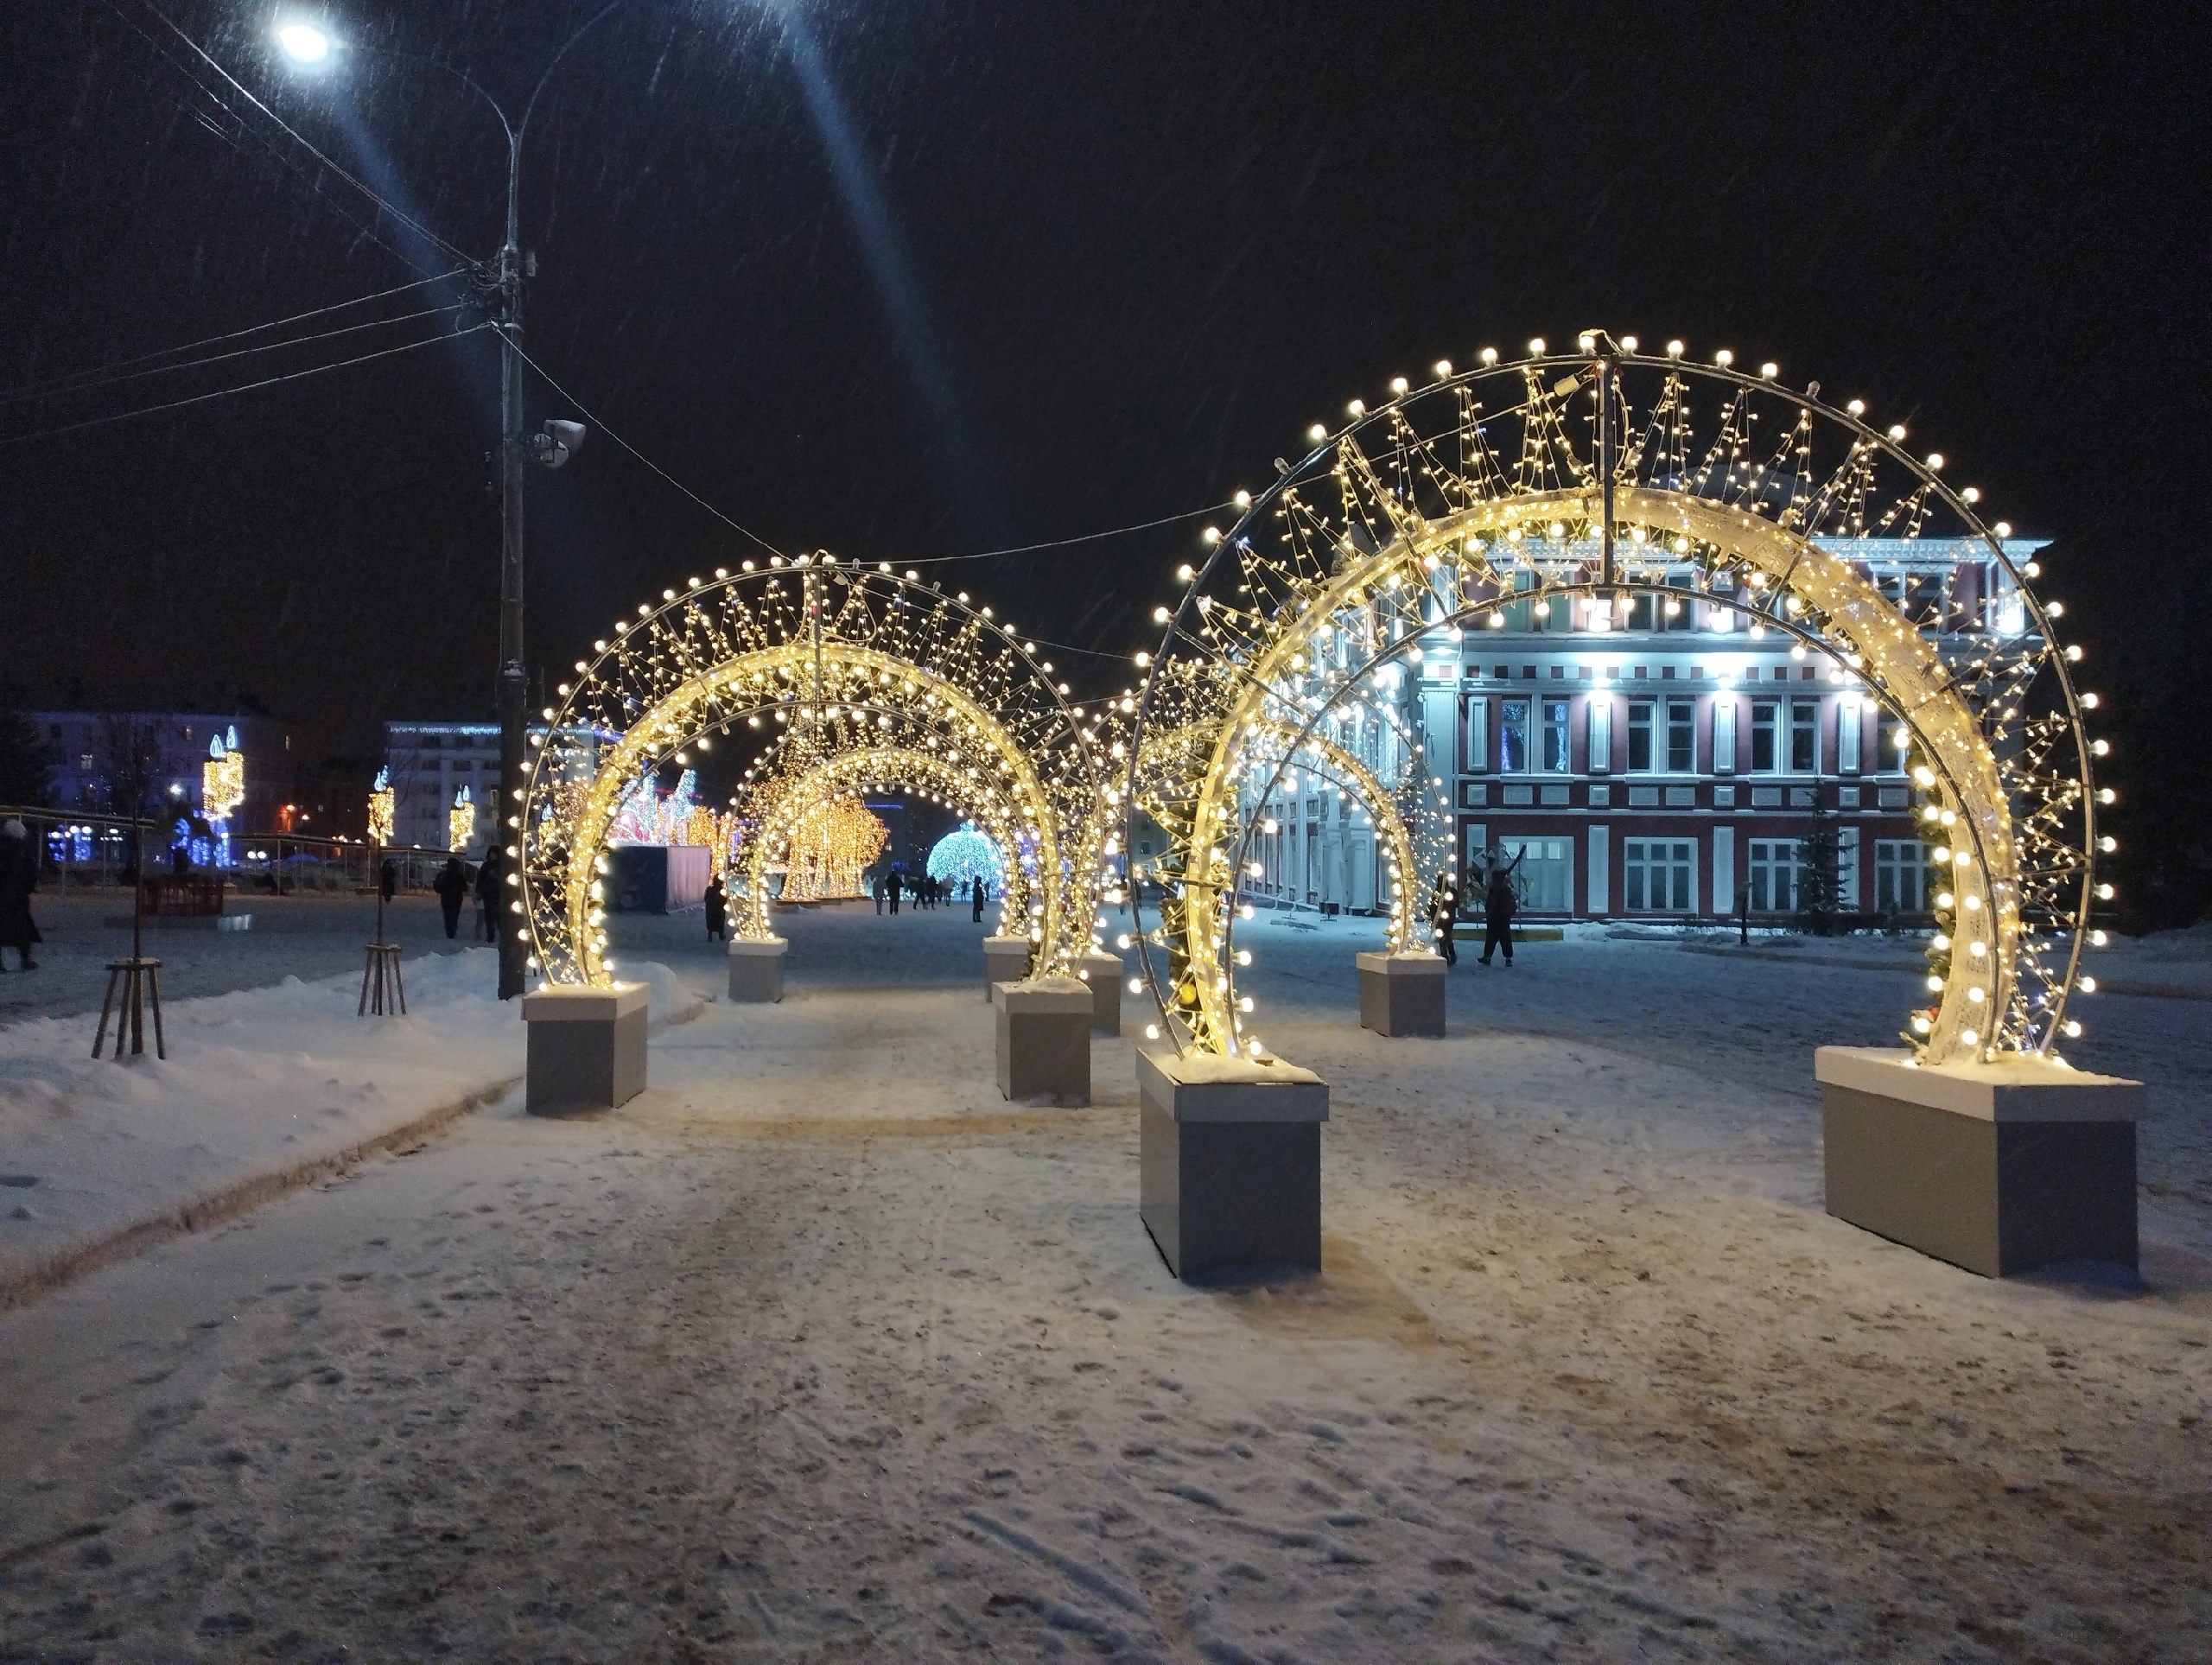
(1285, 743)
(851, 657)
(874, 767)
(1809, 594)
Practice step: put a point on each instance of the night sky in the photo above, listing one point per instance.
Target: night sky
(908, 280)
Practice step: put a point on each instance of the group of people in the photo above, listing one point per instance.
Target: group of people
(925, 892)
(456, 883)
(1499, 905)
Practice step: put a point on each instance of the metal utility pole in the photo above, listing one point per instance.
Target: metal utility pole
(511, 929)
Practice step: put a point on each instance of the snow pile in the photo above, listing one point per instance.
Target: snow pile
(263, 1089)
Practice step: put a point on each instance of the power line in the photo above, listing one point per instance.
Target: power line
(1063, 543)
(223, 358)
(249, 387)
(71, 382)
(597, 422)
(300, 139)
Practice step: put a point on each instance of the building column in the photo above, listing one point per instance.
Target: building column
(1598, 892)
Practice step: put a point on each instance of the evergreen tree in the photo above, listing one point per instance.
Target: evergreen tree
(26, 756)
(1820, 877)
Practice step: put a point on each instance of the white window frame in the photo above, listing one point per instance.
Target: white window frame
(1599, 758)
(1847, 715)
(1761, 869)
(1476, 714)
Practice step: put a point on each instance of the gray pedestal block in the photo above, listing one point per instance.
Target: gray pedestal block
(1402, 994)
(1231, 1158)
(1005, 959)
(587, 1047)
(756, 969)
(1103, 972)
(1997, 1168)
(1044, 1040)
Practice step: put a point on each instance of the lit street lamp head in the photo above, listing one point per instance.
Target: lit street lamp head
(303, 42)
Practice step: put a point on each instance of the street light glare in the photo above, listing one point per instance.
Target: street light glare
(304, 41)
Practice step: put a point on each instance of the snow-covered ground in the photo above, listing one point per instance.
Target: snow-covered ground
(819, 1349)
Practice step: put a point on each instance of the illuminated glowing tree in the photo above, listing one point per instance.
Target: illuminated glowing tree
(380, 809)
(1582, 481)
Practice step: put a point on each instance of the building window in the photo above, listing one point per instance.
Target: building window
(1600, 756)
(1774, 871)
(1513, 736)
(1659, 875)
(1766, 726)
(1891, 744)
(1681, 736)
(1544, 881)
(1477, 735)
(1805, 736)
(1902, 878)
(1641, 714)
(1558, 749)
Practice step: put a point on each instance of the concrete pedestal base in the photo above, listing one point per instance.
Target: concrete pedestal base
(1231, 1153)
(756, 969)
(587, 1047)
(1103, 972)
(1402, 994)
(1005, 959)
(1996, 1167)
(1044, 1040)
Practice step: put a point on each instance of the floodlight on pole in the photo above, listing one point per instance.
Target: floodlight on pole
(303, 42)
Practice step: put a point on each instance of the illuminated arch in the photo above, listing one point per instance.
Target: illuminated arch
(1434, 528)
(883, 769)
(840, 654)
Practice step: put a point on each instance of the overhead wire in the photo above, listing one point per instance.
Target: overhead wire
(299, 138)
(249, 387)
(224, 358)
(289, 163)
(96, 374)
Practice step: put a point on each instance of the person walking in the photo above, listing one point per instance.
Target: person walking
(979, 891)
(717, 900)
(875, 889)
(452, 886)
(891, 888)
(1499, 907)
(388, 882)
(1443, 908)
(488, 894)
(18, 878)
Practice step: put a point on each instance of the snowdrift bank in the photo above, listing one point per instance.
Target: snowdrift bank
(262, 1091)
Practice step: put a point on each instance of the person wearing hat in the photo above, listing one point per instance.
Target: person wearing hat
(18, 873)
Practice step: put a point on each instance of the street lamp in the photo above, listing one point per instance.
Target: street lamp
(501, 284)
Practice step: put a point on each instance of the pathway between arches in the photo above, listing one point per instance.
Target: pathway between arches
(818, 1347)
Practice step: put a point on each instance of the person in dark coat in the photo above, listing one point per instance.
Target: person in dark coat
(875, 889)
(452, 886)
(891, 888)
(979, 891)
(18, 878)
(488, 894)
(1443, 907)
(1499, 907)
(388, 882)
(717, 909)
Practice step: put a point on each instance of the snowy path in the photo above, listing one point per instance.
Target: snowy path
(818, 1349)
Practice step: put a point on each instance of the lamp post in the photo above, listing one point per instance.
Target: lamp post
(311, 47)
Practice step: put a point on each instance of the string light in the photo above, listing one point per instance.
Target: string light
(1446, 509)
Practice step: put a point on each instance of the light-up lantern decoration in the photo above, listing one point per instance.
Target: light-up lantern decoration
(380, 809)
(222, 789)
(461, 820)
